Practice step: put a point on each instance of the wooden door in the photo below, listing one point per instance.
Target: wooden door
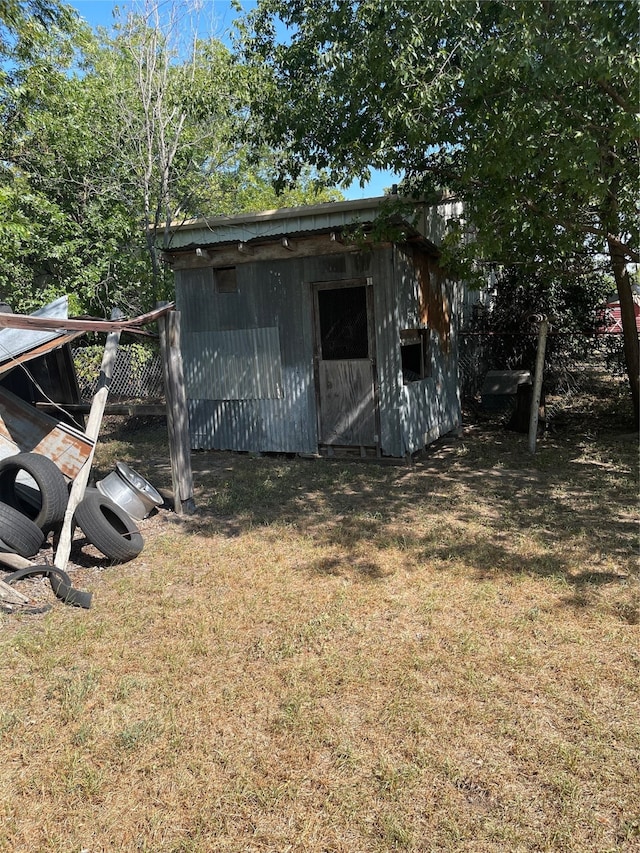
(345, 363)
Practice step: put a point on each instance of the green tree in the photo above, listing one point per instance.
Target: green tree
(177, 115)
(36, 51)
(106, 138)
(79, 235)
(526, 110)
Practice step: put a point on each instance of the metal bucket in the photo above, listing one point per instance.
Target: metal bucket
(135, 495)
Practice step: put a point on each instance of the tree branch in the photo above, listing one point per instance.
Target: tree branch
(629, 252)
(616, 96)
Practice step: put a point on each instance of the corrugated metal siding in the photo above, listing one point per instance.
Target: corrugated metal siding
(235, 364)
(303, 220)
(271, 296)
(270, 426)
(431, 407)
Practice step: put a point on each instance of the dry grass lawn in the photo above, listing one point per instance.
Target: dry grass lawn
(344, 657)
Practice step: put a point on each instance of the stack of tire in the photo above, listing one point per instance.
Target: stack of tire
(29, 514)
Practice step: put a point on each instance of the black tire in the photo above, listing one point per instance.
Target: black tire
(60, 584)
(18, 532)
(107, 526)
(46, 505)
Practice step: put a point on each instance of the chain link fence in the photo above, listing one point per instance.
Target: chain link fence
(134, 425)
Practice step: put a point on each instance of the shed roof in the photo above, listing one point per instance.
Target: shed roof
(421, 220)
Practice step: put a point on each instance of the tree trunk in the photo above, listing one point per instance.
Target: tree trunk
(629, 330)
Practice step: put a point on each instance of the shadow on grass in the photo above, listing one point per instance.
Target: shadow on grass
(492, 508)
(484, 503)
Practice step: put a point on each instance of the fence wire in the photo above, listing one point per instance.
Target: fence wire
(565, 380)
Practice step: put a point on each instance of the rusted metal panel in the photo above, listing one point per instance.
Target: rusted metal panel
(23, 429)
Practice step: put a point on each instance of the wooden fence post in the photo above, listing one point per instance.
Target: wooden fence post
(537, 384)
(92, 431)
(177, 417)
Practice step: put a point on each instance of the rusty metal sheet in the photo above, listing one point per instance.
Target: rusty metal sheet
(23, 428)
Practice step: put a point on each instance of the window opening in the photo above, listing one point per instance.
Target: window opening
(343, 323)
(226, 281)
(414, 353)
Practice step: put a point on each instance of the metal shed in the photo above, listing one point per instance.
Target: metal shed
(308, 329)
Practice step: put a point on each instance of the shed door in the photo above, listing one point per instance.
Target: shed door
(345, 363)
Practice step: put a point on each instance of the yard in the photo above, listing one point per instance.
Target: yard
(345, 656)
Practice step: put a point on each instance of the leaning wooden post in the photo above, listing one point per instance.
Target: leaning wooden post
(537, 384)
(177, 417)
(92, 431)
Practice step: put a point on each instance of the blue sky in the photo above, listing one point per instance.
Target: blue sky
(100, 13)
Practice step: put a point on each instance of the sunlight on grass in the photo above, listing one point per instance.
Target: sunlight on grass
(345, 657)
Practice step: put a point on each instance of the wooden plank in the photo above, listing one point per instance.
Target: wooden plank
(347, 401)
(537, 384)
(136, 410)
(23, 428)
(28, 321)
(177, 417)
(11, 595)
(93, 429)
(273, 250)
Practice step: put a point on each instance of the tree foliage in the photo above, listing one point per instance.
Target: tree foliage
(105, 138)
(508, 323)
(526, 110)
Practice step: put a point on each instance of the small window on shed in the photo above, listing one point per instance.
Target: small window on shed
(225, 279)
(414, 350)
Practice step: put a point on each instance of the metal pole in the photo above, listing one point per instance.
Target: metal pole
(537, 384)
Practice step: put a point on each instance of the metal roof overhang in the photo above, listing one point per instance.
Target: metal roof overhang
(333, 219)
(273, 223)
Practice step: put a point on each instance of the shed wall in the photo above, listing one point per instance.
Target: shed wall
(269, 374)
(255, 347)
(429, 408)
